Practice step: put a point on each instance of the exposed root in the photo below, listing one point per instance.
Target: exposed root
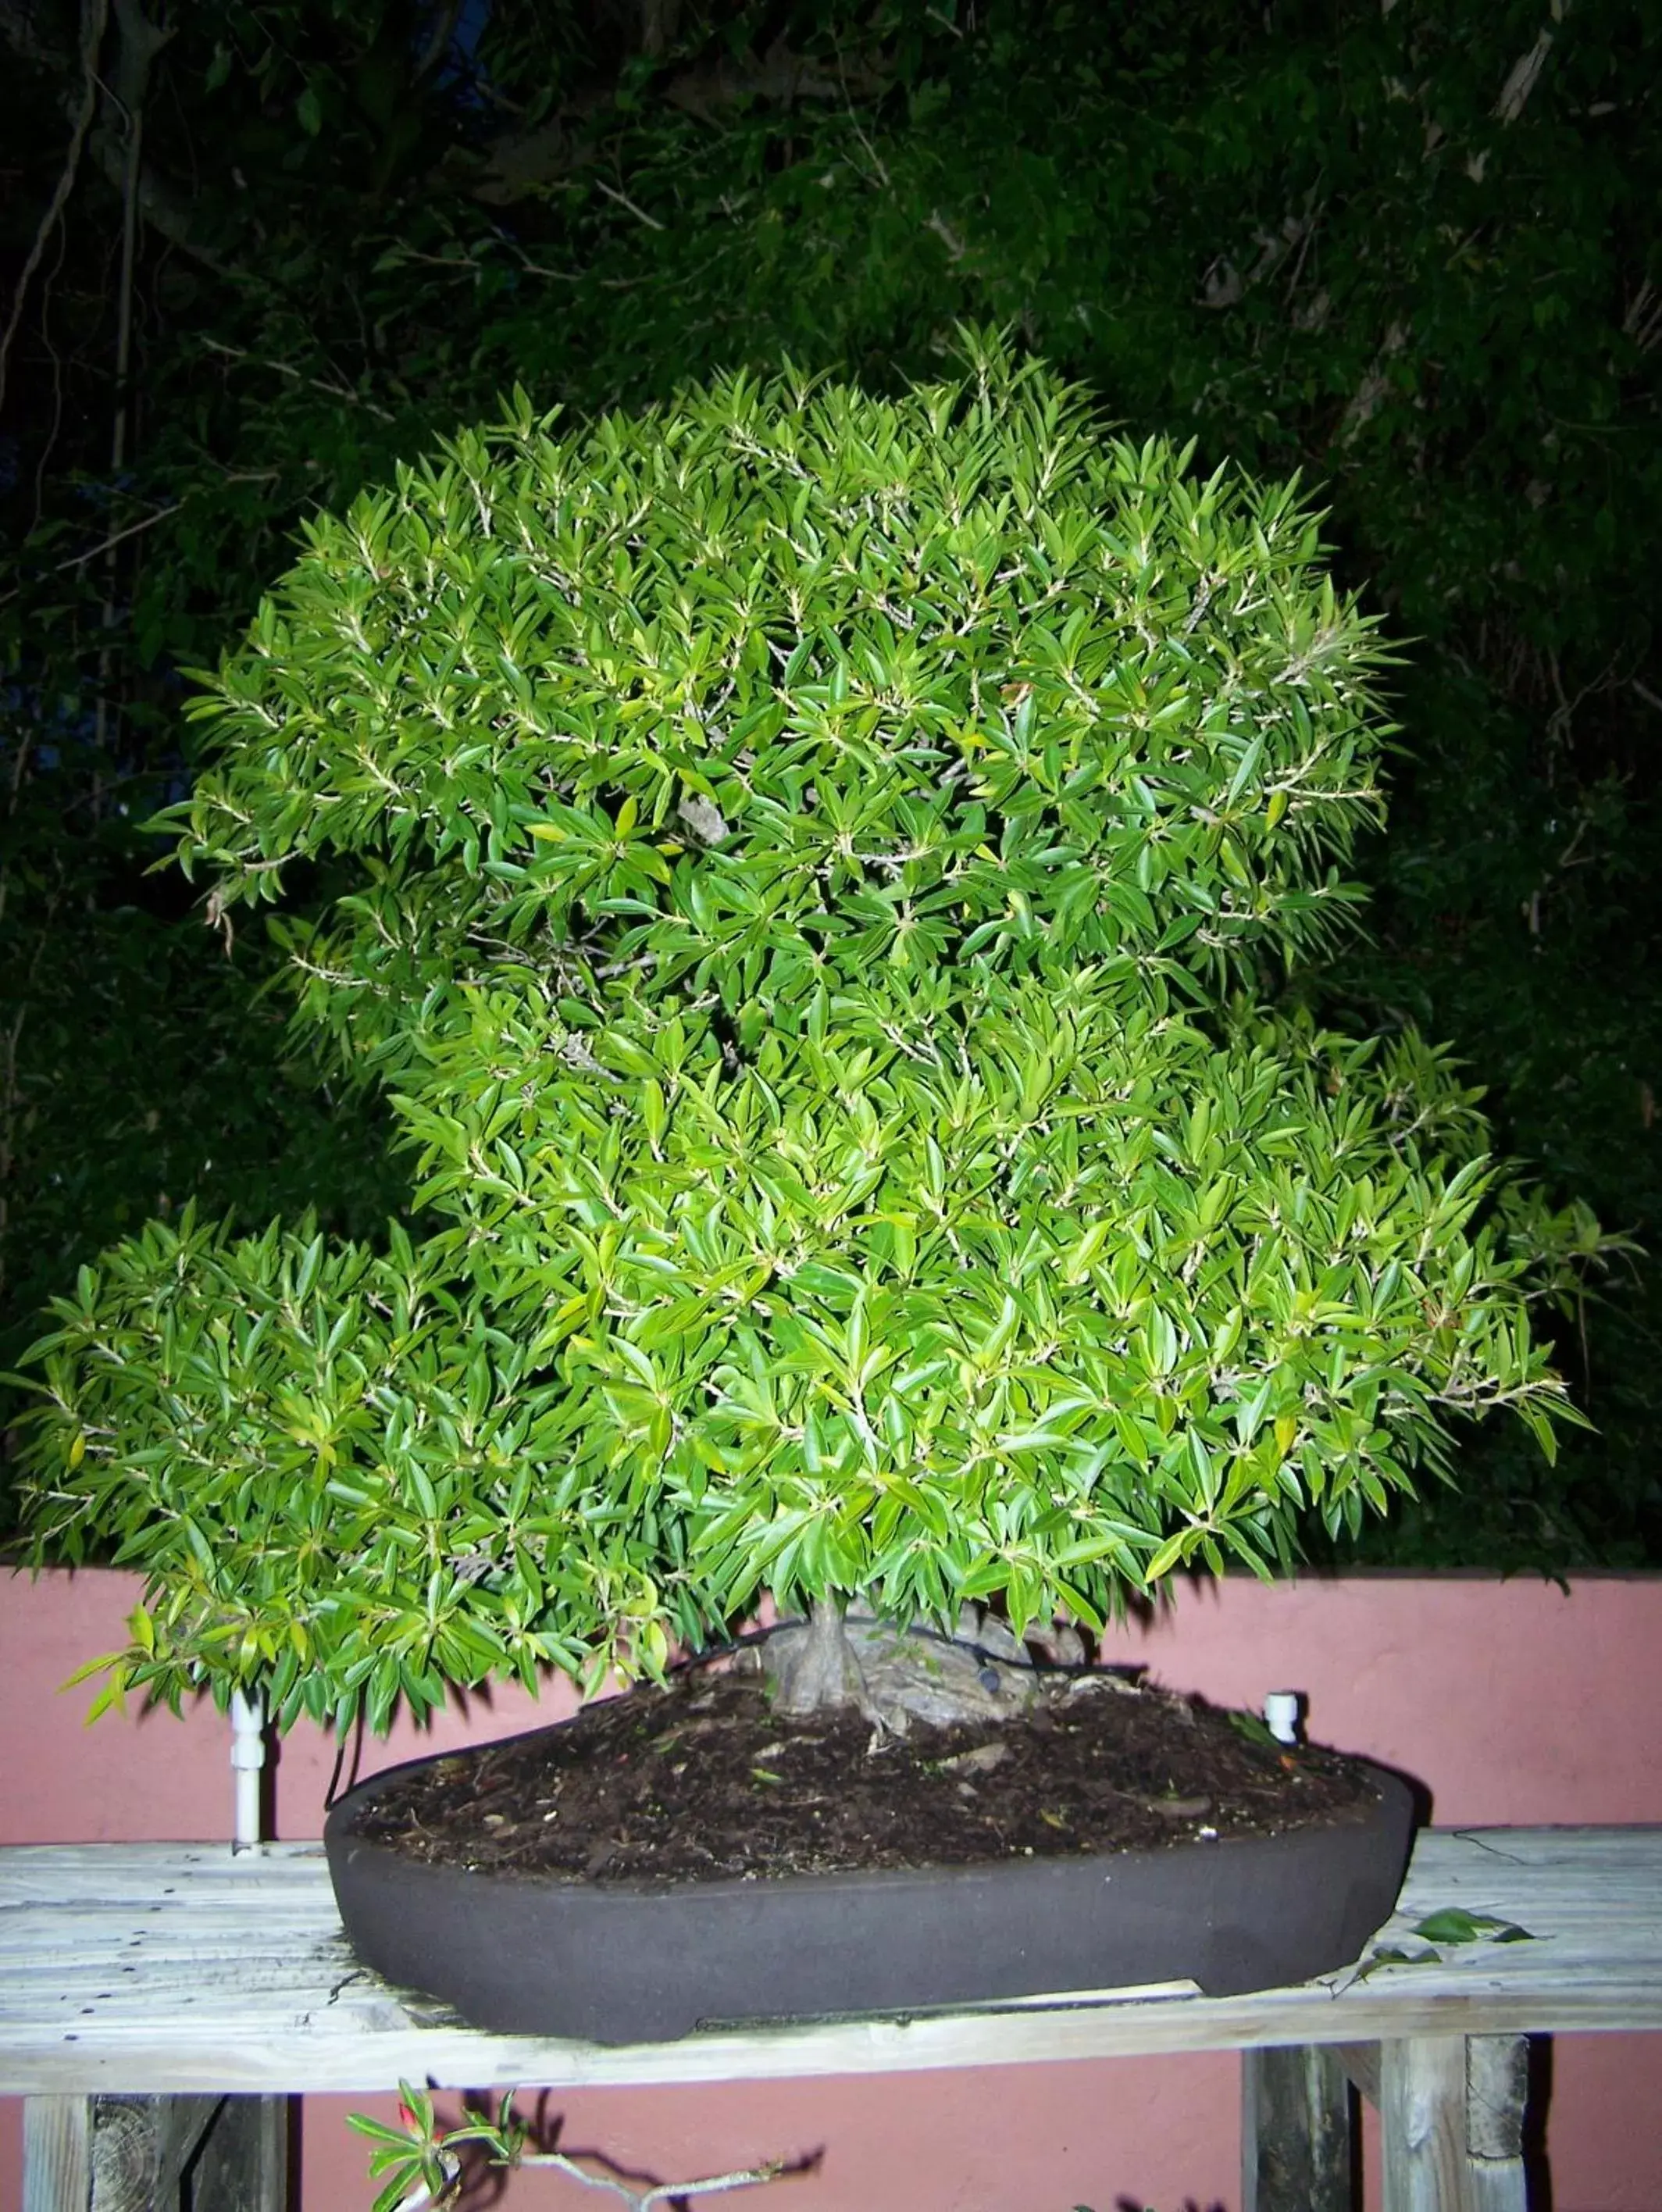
(896, 1675)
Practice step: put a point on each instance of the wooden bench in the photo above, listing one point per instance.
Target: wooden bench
(159, 2002)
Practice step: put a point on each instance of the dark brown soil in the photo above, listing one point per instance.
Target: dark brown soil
(701, 1779)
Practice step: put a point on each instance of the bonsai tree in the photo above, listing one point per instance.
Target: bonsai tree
(815, 867)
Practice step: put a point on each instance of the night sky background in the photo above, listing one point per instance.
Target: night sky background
(252, 255)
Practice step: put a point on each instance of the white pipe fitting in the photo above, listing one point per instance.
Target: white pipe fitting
(247, 1759)
(1280, 1714)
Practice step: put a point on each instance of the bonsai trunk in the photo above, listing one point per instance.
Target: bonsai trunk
(815, 1668)
(892, 1674)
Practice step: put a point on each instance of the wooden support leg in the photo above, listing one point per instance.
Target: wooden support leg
(243, 2164)
(1497, 2094)
(155, 2154)
(58, 2154)
(1295, 2140)
(1451, 2114)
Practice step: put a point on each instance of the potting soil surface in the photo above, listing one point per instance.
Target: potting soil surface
(703, 1778)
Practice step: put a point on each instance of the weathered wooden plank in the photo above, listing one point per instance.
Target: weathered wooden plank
(179, 2126)
(1450, 2123)
(143, 2148)
(57, 2154)
(1498, 2098)
(1296, 2150)
(378, 2048)
(1361, 2062)
(205, 1980)
(129, 2154)
(93, 2004)
(242, 2163)
(374, 2044)
(1497, 2091)
(49, 1873)
(242, 1981)
(1423, 2125)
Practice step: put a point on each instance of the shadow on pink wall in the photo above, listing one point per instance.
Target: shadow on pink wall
(1512, 1702)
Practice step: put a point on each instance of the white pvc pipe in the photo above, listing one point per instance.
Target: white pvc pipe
(247, 1757)
(1280, 1714)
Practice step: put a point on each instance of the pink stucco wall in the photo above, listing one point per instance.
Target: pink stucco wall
(1513, 1702)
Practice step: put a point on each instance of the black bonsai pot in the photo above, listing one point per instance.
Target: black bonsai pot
(624, 1961)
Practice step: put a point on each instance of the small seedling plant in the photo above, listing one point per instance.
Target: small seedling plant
(420, 2162)
(810, 872)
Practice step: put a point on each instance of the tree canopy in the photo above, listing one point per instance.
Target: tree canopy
(814, 861)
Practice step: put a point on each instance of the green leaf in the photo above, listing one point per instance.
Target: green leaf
(1255, 1730)
(1451, 1924)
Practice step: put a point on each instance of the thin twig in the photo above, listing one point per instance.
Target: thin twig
(49, 443)
(141, 42)
(10, 1105)
(623, 200)
(144, 522)
(80, 560)
(872, 154)
(1313, 213)
(948, 237)
(476, 267)
(94, 18)
(298, 376)
(664, 2191)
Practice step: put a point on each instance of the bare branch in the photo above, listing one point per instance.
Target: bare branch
(94, 18)
(104, 545)
(948, 237)
(162, 203)
(298, 376)
(623, 200)
(716, 2184)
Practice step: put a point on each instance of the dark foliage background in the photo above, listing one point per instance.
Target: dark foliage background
(253, 253)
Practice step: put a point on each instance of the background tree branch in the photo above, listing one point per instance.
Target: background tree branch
(95, 17)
